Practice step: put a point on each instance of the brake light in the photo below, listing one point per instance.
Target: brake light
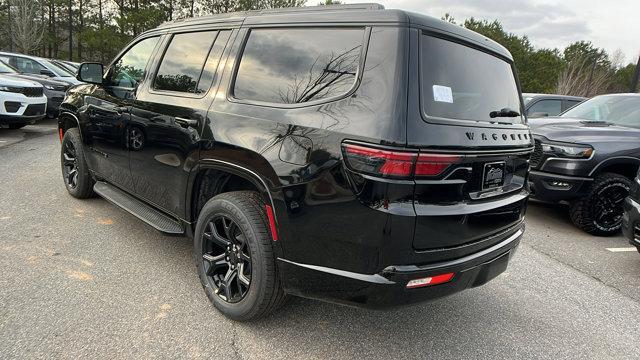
(402, 164)
(430, 281)
(434, 164)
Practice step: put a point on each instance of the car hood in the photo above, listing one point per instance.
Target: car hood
(44, 80)
(581, 131)
(8, 80)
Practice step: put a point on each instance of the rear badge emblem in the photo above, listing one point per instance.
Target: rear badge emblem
(493, 175)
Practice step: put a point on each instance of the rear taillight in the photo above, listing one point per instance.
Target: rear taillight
(398, 164)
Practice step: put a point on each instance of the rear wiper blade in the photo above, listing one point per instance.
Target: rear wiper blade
(506, 112)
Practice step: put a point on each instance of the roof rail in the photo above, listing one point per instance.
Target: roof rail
(361, 6)
(358, 6)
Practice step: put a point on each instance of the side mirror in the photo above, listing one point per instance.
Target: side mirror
(90, 73)
(538, 115)
(47, 72)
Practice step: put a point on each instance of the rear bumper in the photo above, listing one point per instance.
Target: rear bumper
(631, 220)
(553, 187)
(388, 288)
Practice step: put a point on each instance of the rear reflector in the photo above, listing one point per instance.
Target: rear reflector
(398, 164)
(272, 222)
(61, 134)
(429, 281)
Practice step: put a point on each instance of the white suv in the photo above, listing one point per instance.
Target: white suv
(22, 102)
(36, 65)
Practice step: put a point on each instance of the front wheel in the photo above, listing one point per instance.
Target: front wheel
(234, 256)
(600, 211)
(75, 171)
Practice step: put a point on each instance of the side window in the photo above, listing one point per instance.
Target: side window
(128, 71)
(28, 66)
(289, 66)
(187, 65)
(549, 107)
(570, 103)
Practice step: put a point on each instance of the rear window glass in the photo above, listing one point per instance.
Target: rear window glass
(290, 66)
(461, 83)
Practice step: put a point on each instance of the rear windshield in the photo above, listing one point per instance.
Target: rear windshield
(461, 83)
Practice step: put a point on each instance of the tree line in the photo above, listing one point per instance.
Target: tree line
(82, 30)
(95, 30)
(580, 69)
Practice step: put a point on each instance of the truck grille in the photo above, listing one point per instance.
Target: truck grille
(34, 109)
(536, 156)
(32, 91)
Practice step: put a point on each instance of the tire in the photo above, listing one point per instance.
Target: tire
(75, 171)
(600, 211)
(16, 126)
(263, 294)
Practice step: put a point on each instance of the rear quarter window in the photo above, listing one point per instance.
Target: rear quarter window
(459, 82)
(291, 66)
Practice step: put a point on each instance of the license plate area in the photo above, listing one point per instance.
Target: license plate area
(493, 175)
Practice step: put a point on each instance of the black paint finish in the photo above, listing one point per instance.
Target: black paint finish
(343, 236)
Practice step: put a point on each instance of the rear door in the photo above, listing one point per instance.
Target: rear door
(168, 115)
(465, 119)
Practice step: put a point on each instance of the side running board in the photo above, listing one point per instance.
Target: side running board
(142, 211)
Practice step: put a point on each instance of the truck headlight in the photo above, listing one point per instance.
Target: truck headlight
(568, 151)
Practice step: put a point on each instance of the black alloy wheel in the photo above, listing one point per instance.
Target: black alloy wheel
(608, 206)
(75, 171)
(70, 164)
(234, 255)
(600, 211)
(227, 259)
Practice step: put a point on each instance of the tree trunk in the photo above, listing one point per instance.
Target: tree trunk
(70, 30)
(79, 33)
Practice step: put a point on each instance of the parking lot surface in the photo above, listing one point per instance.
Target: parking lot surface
(85, 279)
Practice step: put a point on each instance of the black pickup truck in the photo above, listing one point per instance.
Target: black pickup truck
(588, 156)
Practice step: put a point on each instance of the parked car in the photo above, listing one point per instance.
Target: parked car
(631, 216)
(589, 157)
(71, 67)
(543, 105)
(37, 65)
(53, 90)
(295, 168)
(22, 102)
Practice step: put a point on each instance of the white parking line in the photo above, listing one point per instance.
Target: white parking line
(624, 249)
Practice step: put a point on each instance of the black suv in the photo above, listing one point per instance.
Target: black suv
(352, 154)
(588, 156)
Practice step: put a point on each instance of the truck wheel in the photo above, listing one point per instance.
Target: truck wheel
(234, 256)
(600, 211)
(75, 171)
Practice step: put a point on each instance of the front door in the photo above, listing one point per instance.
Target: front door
(106, 114)
(168, 115)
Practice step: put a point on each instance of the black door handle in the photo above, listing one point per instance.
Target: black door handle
(186, 122)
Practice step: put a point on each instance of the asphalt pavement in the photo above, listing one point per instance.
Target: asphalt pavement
(83, 279)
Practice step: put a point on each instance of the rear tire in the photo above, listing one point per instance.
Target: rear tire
(600, 211)
(245, 243)
(75, 171)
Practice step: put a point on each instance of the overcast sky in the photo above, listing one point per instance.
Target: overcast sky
(610, 25)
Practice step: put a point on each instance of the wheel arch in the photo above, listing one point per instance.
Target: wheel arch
(211, 177)
(66, 121)
(624, 165)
